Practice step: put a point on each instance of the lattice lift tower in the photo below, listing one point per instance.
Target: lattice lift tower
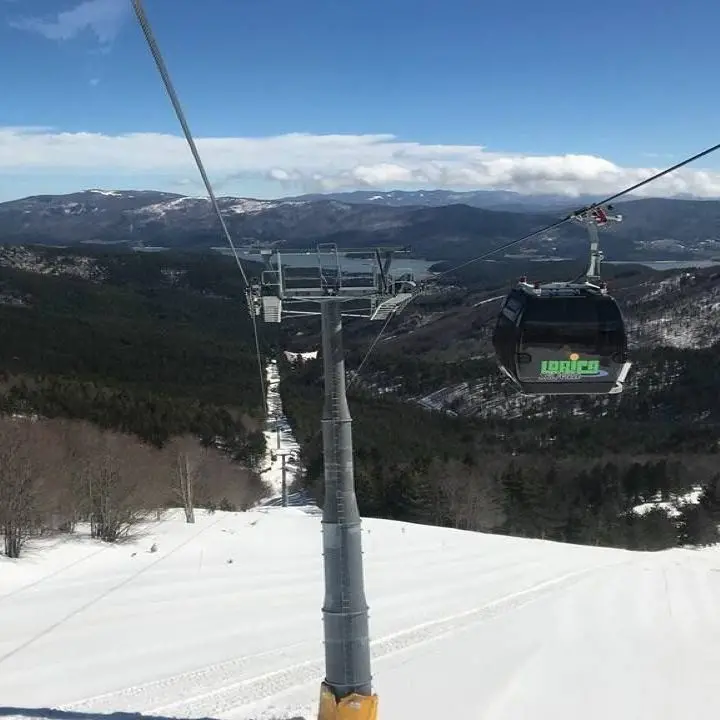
(374, 294)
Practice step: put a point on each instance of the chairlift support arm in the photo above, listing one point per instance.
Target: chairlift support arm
(379, 290)
(594, 217)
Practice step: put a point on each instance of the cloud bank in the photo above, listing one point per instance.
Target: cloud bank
(104, 18)
(299, 162)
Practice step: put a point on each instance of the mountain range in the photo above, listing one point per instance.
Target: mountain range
(485, 199)
(437, 225)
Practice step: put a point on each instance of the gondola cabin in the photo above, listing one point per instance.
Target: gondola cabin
(562, 339)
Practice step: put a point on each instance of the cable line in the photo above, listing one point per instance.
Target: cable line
(165, 75)
(553, 226)
(154, 49)
(569, 217)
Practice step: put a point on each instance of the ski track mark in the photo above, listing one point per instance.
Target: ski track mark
(54, 573)
(106, 593)
(159, 691)
(227, 697)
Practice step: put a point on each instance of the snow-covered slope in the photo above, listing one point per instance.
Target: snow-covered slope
(279, 438)
(30, 260)
(681, 311)
(672, 506)
(162, 219)
(224, 621)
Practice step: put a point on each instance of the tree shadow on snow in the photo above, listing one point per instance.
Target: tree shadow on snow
(53, 714)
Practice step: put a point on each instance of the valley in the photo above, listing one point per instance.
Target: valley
(160, 345)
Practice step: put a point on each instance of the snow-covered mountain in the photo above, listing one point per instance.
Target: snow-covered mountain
(486, 199)
(150, 218)
(436, 224)
(117, 216)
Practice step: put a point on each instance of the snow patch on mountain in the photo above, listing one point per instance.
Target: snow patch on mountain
(22, 258)
(247, 207)
(300, 356)
(673, 506)
(107, 193)
(681, 311)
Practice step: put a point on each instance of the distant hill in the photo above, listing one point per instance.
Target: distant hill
(437, 225)
(485, 199)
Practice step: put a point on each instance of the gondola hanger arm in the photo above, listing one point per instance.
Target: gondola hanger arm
(594, 217)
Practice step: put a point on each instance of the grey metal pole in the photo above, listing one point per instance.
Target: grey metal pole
(345, 610)
(284, 483)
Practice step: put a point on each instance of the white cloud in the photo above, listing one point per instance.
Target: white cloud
(303, 162)
(102, 17)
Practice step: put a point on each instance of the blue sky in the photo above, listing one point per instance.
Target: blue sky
(557, 96)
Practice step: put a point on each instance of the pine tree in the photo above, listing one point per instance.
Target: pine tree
(697, 527)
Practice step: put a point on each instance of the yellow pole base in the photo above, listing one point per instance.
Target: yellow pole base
(352, 707)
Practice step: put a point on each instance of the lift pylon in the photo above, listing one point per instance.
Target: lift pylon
(372, 291)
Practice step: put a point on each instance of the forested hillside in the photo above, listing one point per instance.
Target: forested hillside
(129, 383)
(442, 437)
(159, 347)
(557, 475)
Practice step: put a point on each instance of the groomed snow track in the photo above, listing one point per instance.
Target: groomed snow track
(224, 621)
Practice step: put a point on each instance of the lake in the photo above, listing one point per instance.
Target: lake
(420, 267)
(666, 264)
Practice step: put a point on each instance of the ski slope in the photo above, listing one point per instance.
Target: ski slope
(279, 438)
(224, 621)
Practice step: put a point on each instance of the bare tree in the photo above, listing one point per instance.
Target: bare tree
(17, 492)
(207, 477)
(230, 485)
(189, 468)
(469, 493)
(111, 480)
(26, 461)
(57, 473)
(68, 495)
(118, 498)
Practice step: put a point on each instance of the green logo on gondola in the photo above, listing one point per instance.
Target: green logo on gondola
(574, 367)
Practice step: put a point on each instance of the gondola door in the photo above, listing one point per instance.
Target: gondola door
(561, 342)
